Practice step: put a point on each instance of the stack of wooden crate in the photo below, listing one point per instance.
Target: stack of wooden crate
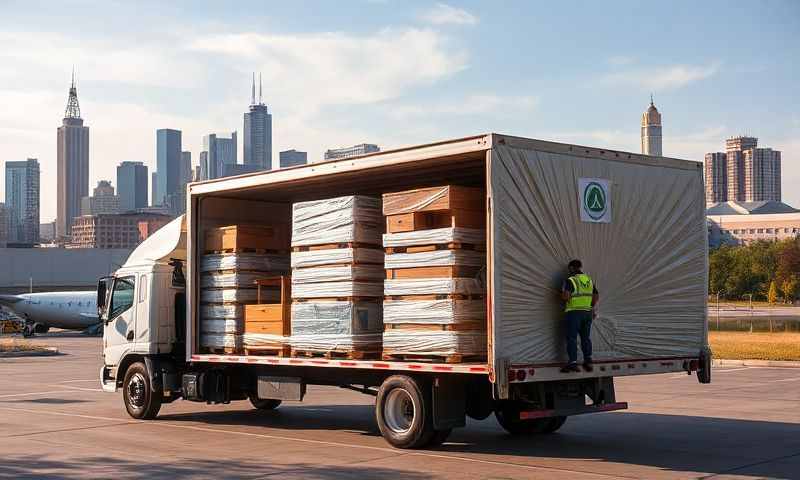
(337, 275)
(235, 258)
(434, 303)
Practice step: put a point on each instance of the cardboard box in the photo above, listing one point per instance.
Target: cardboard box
(248, 237)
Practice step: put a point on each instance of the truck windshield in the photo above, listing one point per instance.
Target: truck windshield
(122, 298)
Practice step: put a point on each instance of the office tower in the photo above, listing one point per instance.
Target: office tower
(196, 176)
(168, 163)
(154, 201)
(186, 167)
(203, 166)
(3, 225)
(762, 175)
(220, 151)
(651, 131)
(103, 201)
(291, 158)
(715, 177)
(132, 185)
(257, 144)
(354, 151)
(73, 164)
(22, 201)
(734, 154)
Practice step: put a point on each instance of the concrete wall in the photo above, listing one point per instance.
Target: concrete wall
(56, 268)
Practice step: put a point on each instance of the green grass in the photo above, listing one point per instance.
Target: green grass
(755, 346)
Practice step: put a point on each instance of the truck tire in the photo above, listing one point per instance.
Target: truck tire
(508, 418)
(264, 403)
(141, 400)
(404, 412)
(439, 437)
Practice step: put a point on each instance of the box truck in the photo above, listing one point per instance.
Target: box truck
(637, 223)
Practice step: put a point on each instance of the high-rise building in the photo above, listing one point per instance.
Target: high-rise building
(196, 175)
(168, 163)
(47, 231)
(154, 201)
(291, 158)
(220, 151)
(257, 144)
(744, 173)
(354, 151)
(102, 202)
(73, 164)
(3, 225)
(186, 167)
(22, 201)
(132, 185)
(203, 166)
(651, 131)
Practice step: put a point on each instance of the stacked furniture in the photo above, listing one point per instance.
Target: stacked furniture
(337, 277)
(235, 258)
(434, 294)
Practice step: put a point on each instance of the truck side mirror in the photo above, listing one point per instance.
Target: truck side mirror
(102, 296)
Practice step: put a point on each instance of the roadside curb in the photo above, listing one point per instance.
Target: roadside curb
(47, 352)
(755, 363)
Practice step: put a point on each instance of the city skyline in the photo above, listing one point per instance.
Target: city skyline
(399, 79)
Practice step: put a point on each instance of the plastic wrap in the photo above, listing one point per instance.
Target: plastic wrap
(436, 258)
(446, 311)
(338, 273)
(264, 340)
(355, 218)
(436, 236)
(649, 263)
(336, 256)
(434, 286)
(238, 295)
(220, 340)
(220, 326)
(347, 318)
(335, 342)
(233, 279)
(337, 289)
(257, 262)
(434, 343)
(225, 312)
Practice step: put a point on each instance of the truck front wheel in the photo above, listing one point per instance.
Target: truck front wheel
(508, 418)
(141, 400)
(404, 412)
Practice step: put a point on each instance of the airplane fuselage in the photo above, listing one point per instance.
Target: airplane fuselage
(69, 310)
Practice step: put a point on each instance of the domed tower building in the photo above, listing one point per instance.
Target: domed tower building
(651, 131)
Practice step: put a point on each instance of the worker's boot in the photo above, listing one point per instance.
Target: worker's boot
(570, 367)
(587, 365)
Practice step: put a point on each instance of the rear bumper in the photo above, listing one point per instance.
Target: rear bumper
(606, 407)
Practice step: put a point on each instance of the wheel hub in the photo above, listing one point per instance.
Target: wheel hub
(399, 411)
(136, 390)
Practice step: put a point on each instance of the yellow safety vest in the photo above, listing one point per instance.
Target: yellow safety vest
(582, 288)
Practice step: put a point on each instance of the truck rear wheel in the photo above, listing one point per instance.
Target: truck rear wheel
(404, 412)
(508, 418)
(141, 400)
(264, 403)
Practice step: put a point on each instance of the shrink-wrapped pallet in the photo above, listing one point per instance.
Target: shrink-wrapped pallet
(221, 325)
(436, 258)
(434, 286)
(255, 262)
(439, 343)
(237, 295)
(221, 341)
(355, 218)
(337, 256)
(338, 273)
(445, 311)
(336, 326)
(337, 290)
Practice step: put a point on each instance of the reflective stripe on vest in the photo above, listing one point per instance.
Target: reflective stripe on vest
(582, 288)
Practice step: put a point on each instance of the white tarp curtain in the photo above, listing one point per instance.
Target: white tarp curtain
(354, 218)
(435, 236)
(649, 263)
(336, 256)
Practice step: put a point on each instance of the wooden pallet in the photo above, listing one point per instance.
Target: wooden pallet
(437, 327)
(452, 358)
(338, 299)
(337, 354)
(450, 296)
(451, 271)
(283, 351)
(433, 248)
(261, 251)
(455, 218)
(331, 246)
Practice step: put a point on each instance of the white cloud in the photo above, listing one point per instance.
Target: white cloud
(662, 78)
(443, 14)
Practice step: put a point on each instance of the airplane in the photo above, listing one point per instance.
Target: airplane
(41, 311)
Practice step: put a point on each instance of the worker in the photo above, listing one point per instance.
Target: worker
(581, 297)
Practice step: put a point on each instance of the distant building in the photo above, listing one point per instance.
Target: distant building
(47, 231)
(354, 151)
(292, 158)
(3, 225)
(744, 173)
(203, 166)
(132, 185)
(651, 131)
(221, 151)
(186, 167)
(149, 226)
(110, 231)
(73, 164)
(737, 223)
(168, 163)
(154, 202)
(22, 201)
(257, 142)
(196, 176)
(103, 201)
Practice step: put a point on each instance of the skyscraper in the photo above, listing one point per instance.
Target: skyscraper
(734, 155)
(186, 167)
(154, 201)
(22, 201)
(651, 131)
(291, 158)
(73, 164)
(715, 177)
(257, 132)
(762, 175)
(221, 151)
(744, 173)
(132, 185)
(168, 163)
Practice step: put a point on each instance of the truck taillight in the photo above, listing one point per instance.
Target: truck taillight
(512, 375)
(694, 365)
(521, 374)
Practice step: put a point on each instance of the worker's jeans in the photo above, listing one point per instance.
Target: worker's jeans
(579, 322)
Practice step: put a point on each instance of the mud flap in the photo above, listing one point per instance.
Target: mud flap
(449, 403)
(704, 370)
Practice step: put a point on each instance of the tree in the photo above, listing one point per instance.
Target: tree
(772, 295)
(790, 288)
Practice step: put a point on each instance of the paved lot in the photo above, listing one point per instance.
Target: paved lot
(55, 422)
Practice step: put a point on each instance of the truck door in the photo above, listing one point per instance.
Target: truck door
(119, 333)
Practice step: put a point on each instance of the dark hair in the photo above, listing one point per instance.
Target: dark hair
(576, 264)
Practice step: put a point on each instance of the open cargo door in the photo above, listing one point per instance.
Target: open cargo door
(636, 223)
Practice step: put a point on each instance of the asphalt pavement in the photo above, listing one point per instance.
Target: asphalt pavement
(56, 422)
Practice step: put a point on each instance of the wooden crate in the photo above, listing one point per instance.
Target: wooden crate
(409, 222)
(271, 318)
(248, 237)
(448, 197)
(451, 271)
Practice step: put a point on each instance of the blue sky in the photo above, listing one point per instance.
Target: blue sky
(398, 73)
